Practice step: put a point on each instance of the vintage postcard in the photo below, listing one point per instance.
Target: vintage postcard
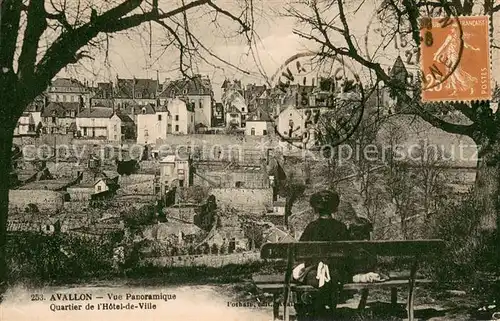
(242, 160)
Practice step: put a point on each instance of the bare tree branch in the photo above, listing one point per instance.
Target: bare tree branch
(243, 24)
(36, 26)
(10, 15)
(63, 50)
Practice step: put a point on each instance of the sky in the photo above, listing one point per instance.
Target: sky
(128, 54)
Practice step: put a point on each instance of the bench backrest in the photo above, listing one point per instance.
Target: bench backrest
(309, 250)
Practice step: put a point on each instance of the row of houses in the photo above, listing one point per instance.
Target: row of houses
(130, 108)
(147, 110)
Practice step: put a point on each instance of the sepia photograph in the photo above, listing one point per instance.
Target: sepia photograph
(294, 160)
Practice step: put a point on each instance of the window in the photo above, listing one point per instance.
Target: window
(72, 99)
(84, 131)
(64, 97)
(98, 188)
(159, 117)
(57, 97)
(192, 118)
(242, 109)
(185, 91)
(176, 128)
(143, 111)
(264, 132)
(176, 117)
(53, 120)
(252, 131)
(146, 134)
(201, 105)
(115, 128)
(72, 113)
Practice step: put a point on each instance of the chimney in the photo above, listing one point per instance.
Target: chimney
(133, 88)
(80, 105)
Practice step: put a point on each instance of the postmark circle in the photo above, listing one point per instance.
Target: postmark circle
(382, 23)
(322, 100)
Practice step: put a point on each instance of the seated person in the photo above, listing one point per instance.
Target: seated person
(328, 229)
(359, 227)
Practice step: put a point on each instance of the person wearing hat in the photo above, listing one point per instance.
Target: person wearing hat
(328, 229)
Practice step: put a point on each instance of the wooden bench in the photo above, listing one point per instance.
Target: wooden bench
(293, 253)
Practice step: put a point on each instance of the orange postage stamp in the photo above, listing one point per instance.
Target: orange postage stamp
(455, 58)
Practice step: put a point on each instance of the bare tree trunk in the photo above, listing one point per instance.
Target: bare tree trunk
(487, 188)
(288, 209)
(6, 135)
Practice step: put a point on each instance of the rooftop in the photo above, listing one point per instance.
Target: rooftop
(198, 85)
(51, 185)
(68, 82)
(168, 159)
(136, 88)
(96, 112)
(61, 109)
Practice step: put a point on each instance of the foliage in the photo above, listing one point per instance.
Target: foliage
(255, 233)
(32, 209)
(134, 218)
(195, 194)
(206, 216)
(58, 258)
(467, 250)
(292, 189)
(127, 167)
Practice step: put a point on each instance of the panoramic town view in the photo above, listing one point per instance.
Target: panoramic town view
(165, 172)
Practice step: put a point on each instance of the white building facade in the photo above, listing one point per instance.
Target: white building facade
(183, 118)
(99, 122)
(256, 128)
(174, 172)
(153, 124)
(26, 125)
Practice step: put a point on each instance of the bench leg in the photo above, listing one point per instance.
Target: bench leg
(364, 298)
(288, 279)
(394, 298)
(411, 290)
(276, 306)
